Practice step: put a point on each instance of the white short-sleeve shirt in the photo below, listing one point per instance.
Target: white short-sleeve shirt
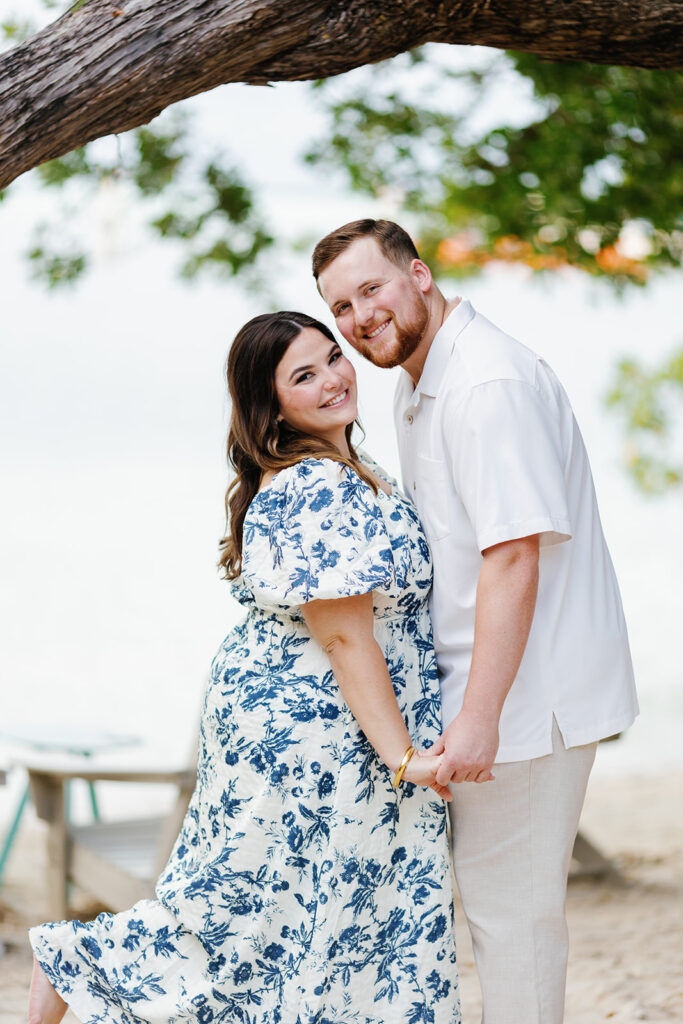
(490, 452)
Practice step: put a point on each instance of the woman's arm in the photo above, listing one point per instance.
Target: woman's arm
(344, 629)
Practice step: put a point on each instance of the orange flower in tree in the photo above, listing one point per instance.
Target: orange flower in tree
(512, 249)
(613, 262)
(457, 250)
(547, 260)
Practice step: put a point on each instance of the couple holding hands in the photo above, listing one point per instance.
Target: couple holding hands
(455, 649)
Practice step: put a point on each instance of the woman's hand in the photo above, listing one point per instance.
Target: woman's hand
(422, 769)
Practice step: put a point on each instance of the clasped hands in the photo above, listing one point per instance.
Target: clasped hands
(464, 752)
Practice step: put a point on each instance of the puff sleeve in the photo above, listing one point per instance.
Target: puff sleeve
(315, 533)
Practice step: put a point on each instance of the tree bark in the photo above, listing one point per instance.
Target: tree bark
(110, 65)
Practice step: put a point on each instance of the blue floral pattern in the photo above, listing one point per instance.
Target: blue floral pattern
(302, 888)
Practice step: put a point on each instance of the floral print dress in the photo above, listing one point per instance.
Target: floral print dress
(302, 888)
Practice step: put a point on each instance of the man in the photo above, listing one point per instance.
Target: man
(528, 626)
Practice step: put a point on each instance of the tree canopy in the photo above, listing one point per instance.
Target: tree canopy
(103, 68)
(591, 179)
(586, 175)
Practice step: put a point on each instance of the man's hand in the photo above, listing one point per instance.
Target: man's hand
(422, 769)
(469, 747)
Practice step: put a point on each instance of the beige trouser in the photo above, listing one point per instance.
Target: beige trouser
(512, 844)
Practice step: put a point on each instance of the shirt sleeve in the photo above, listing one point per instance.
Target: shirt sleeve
(507, 464)
(316, 533)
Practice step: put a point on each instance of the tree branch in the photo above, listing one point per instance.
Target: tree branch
(111, 65)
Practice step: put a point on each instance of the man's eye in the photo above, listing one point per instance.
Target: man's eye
(341, 309)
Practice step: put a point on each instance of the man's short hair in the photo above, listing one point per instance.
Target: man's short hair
(395, 243)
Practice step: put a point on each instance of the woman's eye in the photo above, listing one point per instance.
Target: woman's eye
(303, 377)
(335, 356)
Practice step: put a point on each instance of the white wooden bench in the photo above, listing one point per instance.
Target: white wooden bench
(117, 862)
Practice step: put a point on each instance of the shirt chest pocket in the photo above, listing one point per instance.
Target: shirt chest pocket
(433, 497)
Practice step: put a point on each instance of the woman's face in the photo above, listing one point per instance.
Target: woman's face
(316, 388)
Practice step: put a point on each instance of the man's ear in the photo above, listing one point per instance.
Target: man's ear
(422, 274)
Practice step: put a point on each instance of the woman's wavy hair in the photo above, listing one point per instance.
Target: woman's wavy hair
(257, 441)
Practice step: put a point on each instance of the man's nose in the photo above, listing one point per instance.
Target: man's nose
(363, 313)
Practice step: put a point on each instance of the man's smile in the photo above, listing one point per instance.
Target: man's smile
(378, 330)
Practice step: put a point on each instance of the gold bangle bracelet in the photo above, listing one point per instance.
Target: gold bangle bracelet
(398, 777)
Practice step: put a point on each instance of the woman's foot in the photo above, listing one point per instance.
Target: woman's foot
(45, 1006)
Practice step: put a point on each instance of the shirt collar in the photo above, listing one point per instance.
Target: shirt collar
(441, 348)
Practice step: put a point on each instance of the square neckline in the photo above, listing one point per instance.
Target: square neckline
(391, 493)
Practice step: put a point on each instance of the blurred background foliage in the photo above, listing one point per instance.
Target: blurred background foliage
(649, 403)
(208, 207)
(592, 179)
(182, 188)
(584, 173)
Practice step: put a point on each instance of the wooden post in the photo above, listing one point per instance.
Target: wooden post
(49, 799)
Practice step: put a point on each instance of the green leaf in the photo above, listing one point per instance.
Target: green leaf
(56, 269)
(15, 31)
(159, 157)
(57, 172)
(649, 403)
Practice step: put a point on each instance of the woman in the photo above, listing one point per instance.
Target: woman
(310, 882)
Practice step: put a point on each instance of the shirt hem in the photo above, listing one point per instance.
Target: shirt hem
(595, 733)
(571, 738)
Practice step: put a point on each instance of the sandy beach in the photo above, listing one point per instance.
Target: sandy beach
(626, 959)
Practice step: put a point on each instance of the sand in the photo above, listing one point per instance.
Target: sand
(626, 959)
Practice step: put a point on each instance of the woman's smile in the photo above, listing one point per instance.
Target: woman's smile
(337, 400)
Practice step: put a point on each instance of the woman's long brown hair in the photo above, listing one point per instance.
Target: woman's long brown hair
(257, 442)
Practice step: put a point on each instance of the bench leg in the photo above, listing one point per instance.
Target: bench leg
(56, 852)
(93, 802)
(50, 801)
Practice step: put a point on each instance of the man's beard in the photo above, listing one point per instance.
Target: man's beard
(407, 336)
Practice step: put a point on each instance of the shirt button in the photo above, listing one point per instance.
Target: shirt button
(409, 418)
